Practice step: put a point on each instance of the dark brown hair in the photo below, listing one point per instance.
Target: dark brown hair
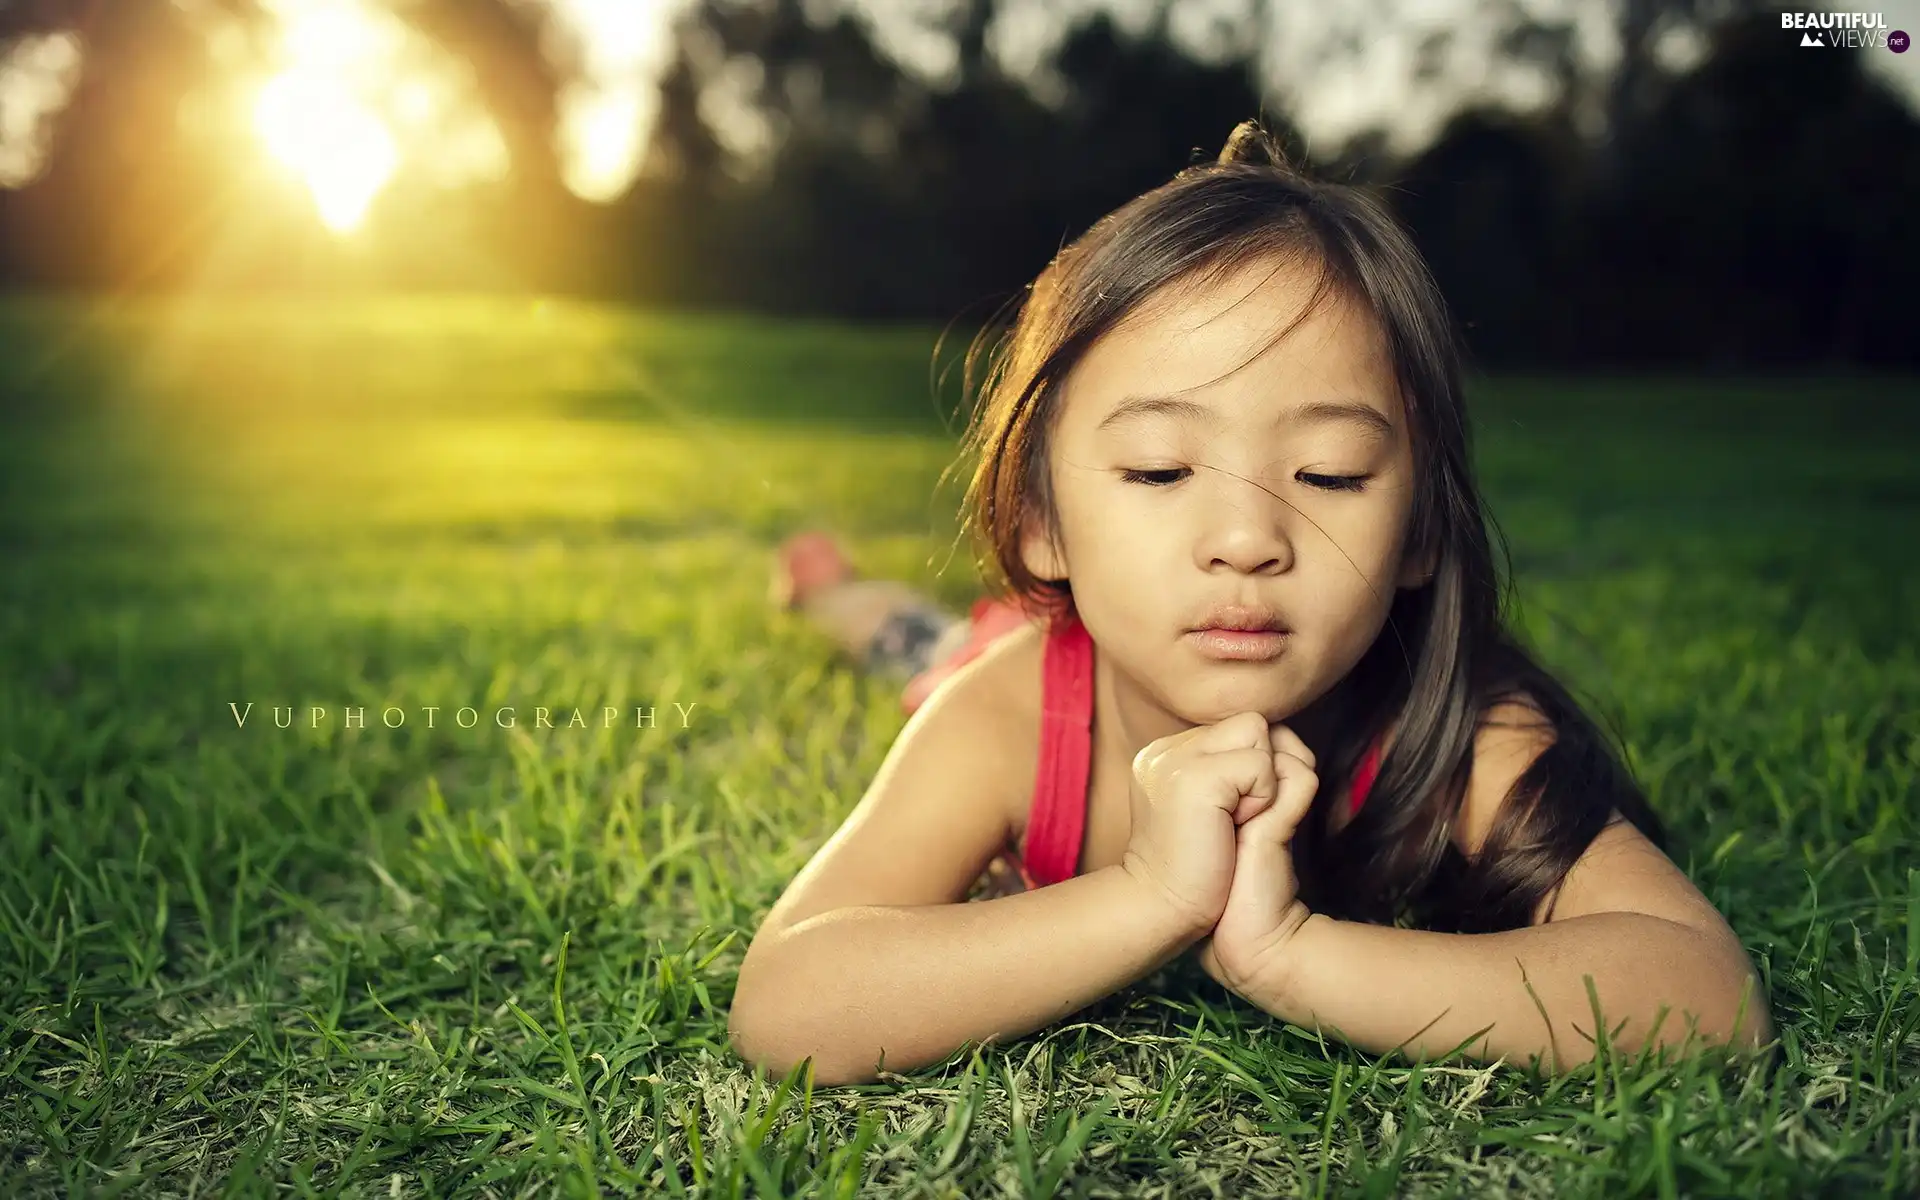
(1444, 658)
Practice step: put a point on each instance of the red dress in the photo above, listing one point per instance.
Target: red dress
(1056, 822)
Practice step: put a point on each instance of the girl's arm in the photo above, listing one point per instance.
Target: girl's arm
(1382, 988)
(873, 948)
(1625, 915)
(915, 983)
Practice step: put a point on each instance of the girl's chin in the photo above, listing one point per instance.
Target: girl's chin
(1217, 706)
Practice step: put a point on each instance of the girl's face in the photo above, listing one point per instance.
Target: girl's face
(1182, 485)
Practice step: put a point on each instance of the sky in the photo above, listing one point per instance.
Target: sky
(353, 97)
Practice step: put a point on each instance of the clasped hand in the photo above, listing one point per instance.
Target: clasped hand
(1214, 811)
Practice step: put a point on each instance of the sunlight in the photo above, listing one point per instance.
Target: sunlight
(600, 126)
(37, 76)
(340, 150)
(313, 120)
(605, 112)
(355, 97)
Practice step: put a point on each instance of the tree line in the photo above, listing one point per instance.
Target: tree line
(1750, 209)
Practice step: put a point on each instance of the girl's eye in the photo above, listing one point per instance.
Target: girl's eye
(1166, 476)
(1333, 483)
(1155, 477)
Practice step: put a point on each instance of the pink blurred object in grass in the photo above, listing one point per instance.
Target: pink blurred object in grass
(811, 564)
(808, 561)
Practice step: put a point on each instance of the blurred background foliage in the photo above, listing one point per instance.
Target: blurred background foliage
(1674, 183)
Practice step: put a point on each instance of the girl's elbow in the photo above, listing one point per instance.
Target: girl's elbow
(1738, 1022)
(1734, 1014)
(1744, 1022)
(755, 1022)
(1752, 1023)
(778, 1053)
(765, 1053)
(1749, 1035)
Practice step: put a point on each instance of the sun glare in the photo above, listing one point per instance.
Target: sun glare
(605, 112)
(341, 151)
(354, 98)
(312, 116)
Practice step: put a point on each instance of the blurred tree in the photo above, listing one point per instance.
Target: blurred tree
(534, 225)
(1759, 216)
(132, 195)
(1738, 211)
(683, 147)
(1144, 109)
(1485, 201)
(1740, 207)
(886, 193)
(520, 65)
(124, 186)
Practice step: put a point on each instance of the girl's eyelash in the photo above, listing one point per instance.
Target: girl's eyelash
(1325, 483)
(1146, 475)
(1334, 483)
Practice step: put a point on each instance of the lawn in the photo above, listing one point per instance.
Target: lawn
(402, 959)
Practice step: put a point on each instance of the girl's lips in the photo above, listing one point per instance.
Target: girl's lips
(1239, 645)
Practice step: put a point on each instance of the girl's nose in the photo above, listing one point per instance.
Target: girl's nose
(1246, 529)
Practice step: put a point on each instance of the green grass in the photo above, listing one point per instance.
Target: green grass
(484, 961)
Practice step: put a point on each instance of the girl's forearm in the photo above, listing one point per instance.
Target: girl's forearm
(918, 982)
(1382, 988)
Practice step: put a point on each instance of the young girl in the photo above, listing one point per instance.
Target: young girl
(1245, 690)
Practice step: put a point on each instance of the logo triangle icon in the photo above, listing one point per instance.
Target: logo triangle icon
(1811, 39)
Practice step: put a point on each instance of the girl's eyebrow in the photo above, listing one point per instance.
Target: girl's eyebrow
(1317, 411)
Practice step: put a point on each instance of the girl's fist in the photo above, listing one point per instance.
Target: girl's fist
(1263, 908)
(1189, 790)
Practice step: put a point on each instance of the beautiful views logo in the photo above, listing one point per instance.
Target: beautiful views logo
(1860, 31)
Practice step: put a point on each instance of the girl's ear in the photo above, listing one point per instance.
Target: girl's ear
(1038, 552)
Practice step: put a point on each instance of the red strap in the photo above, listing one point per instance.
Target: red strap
(1056, 824)
(1058, 820)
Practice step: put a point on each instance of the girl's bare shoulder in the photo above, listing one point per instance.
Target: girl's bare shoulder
(999, 694)
(999, 735)
(943, 803)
